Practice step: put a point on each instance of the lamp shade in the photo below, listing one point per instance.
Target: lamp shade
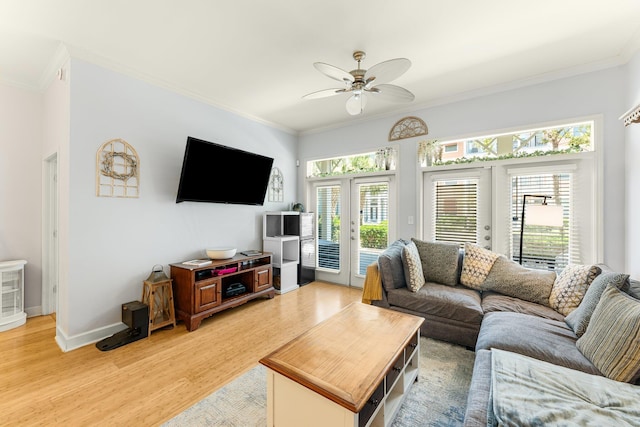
(549, 215)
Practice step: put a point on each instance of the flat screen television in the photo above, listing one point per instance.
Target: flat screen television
(216, 173)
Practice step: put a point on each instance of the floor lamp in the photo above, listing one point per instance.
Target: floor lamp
(543, 214)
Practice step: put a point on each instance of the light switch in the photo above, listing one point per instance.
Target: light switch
(410, 220)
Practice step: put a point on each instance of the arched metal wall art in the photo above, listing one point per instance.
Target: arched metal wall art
(408, 127)
(276, 186)
(117, 170)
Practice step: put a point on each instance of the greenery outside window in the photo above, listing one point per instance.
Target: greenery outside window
(568, 138)
(381, 160)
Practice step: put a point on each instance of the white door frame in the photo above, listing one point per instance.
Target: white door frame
(345, 276)
(50, 236)
(357, 279)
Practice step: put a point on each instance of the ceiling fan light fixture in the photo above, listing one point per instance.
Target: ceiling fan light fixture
(356, 103)
(361, 81)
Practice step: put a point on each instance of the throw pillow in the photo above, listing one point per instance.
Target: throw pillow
(390, 266)
(612, 339)
(440, 261)
(510, 278)
(412, 267)
(579, 318)
(476, 265)
(570, 287)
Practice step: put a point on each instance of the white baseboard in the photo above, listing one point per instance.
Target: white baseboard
(67, 343)
(33, 311)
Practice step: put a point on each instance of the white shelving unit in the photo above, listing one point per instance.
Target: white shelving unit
(12, 312)
(285, 249)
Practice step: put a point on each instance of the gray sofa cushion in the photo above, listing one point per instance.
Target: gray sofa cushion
(479, 392)
(450, 302)
(492, 301)
(579, 318)
(390, 266)
(543, 339)
(441, 261)
(510, 278)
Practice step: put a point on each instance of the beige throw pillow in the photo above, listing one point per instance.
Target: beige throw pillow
(570, 286)
(612, 339)
(476, 265)
(412, 267)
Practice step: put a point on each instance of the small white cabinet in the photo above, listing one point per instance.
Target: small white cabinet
(12, 294)
(285, 249)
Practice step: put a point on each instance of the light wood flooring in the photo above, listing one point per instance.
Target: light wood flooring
(149, 381)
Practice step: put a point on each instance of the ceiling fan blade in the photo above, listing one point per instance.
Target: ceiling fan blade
(355, 104)
(392, 93)
(387, 71)
(324, 93)
(334, 72)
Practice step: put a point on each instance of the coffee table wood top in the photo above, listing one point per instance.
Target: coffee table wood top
(346, 357)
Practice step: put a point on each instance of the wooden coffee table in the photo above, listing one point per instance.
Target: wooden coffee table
(353, 369)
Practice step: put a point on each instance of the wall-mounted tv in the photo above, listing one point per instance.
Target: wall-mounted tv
(215, 173)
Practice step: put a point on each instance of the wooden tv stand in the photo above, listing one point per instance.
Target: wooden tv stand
(199, 292)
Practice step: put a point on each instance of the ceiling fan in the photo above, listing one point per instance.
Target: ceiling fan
(360, 82)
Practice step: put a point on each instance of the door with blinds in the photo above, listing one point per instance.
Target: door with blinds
(369, 225)
(538, 244)
(457, 207)
(356, 222)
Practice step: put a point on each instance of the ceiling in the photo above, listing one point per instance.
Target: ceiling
(256, 57)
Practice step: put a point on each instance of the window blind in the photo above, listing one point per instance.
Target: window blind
(328, 207)
(456, 210)
(543, 247)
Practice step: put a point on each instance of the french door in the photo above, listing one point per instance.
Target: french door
(356, 221)
(457, 207)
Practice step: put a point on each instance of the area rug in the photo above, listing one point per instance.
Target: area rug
(438, 398)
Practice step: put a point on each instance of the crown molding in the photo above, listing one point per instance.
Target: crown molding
(60, 57)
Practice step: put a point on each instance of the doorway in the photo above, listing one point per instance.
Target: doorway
(356, 221)
(458, 206)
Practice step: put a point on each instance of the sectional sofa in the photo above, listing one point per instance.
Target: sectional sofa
(479, 299)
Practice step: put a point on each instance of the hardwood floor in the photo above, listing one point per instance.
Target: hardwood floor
(149, 381)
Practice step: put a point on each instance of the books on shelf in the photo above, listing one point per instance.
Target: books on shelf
(252, 252)
(198, 262)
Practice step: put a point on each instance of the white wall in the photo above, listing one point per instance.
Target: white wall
(20, 186)
(590, 94)
(115, 242)
(632, 137)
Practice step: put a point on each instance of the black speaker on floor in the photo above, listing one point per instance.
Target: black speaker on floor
(135, 315)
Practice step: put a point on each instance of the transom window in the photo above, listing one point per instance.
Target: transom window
(569, 138)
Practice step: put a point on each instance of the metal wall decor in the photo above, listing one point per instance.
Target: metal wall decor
(276, 186)
(117, 170)
(408, 128)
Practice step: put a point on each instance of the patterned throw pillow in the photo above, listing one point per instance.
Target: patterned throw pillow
(439, 261)
(570, 286)
(412, 267)
(579, 318)
(476, 265)
(612, 339)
